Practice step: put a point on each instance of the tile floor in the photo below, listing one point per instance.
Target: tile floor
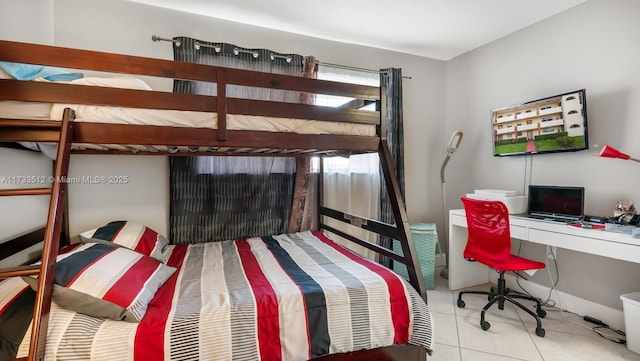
(458, 336)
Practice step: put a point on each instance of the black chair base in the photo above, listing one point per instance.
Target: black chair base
(502, 294)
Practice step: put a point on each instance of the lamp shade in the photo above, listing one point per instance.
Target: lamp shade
(611, 152)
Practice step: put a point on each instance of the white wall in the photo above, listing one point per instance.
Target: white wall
(143, 197)
(27, 20)
(23, 214)
(592, 46)
(23, 169)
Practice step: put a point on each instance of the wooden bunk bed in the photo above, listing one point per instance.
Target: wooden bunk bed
(76, 134)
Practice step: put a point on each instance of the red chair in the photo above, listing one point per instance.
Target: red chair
(489, 243)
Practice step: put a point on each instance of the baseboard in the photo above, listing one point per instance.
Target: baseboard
(611, 316)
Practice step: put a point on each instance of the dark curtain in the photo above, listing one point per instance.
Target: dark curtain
(218, 198)
(392, 79)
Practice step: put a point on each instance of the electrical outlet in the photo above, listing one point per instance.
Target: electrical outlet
(551, 252)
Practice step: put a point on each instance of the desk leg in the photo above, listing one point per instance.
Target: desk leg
(463, 273)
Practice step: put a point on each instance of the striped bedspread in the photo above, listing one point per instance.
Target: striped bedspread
(285, 297)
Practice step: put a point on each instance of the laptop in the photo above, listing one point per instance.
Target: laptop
(556, 203)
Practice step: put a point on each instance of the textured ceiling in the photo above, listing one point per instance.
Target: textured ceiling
(439, 29)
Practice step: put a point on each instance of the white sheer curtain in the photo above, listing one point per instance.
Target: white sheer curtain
(351, 184)
(246, 165)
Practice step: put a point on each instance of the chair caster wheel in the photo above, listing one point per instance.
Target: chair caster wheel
(461, 304)
(541, 313)
(540, 331)
(486, 325)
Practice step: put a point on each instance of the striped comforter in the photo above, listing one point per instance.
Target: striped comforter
(286, 297)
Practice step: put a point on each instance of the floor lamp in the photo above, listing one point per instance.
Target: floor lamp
(454, 142)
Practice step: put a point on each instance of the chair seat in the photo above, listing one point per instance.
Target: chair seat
(515, 263)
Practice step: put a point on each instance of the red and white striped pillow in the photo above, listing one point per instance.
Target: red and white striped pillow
(132, 235)
(107, 281)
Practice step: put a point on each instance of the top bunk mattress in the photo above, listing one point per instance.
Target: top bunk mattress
(10, 109)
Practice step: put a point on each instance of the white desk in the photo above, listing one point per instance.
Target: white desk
(463, 273)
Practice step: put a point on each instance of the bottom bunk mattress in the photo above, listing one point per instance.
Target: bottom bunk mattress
(285, 297)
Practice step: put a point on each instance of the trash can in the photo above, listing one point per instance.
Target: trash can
(631, 309)
(425, 239)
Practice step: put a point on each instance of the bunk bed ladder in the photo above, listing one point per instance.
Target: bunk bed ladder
(46, 269)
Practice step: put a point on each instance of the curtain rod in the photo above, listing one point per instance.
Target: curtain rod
(255, 55)
(347, 67)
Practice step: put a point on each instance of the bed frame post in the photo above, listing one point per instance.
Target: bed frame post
(399, 212)
(51, 241)
(300, 219)
(320, 192)
(397, 203)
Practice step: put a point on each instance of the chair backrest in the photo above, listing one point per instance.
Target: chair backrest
(489, 240)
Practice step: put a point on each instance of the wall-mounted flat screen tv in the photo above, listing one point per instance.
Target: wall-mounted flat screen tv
(549, 125)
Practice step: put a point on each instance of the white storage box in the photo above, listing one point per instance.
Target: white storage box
(631, 308)
(516, 204)
(499, 192)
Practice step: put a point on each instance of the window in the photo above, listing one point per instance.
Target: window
(361, 77)
(364, 163)
(351, 184)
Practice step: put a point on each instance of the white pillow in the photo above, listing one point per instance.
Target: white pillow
(115, 82)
